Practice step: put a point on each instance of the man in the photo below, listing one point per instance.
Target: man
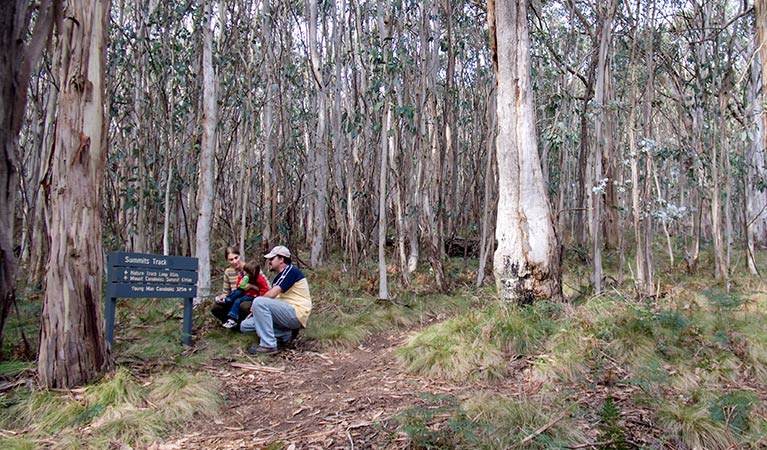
(278, 315)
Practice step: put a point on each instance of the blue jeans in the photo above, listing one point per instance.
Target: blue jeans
(234, 311)
(272, 319)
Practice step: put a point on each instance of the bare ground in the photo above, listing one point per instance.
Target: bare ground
(349, 399)
(307, 399)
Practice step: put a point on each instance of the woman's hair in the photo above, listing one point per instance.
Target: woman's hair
(252, 268)
(231, 250)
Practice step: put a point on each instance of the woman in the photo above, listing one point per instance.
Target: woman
(231, 277)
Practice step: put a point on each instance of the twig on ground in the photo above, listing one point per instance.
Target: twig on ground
(591, 444)
(541, 430)
(258, 368)
(351, 441)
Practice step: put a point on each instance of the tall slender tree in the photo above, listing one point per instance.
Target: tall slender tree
(205, 189)
(527, 263)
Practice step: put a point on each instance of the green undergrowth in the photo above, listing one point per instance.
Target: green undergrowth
(489, 421)
(694, 361)
(121, 409)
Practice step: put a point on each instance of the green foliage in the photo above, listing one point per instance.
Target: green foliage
(610, 430)
(733, 410)
(439, 424)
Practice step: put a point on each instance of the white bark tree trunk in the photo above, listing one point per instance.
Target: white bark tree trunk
(527, 263)
(73, 349)
(205, 185)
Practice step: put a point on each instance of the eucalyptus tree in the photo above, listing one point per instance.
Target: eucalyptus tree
(755, 185)
(72, 349)
(20, 50)
(527, 263)
(207, 148)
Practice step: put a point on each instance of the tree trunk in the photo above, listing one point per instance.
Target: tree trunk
(527, 263)
(486, 240)
(73, 350)
(205, 185)
(320, 189)
(16, 62)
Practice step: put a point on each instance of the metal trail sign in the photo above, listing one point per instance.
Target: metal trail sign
(144, 275)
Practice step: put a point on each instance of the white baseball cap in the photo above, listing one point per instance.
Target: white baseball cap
(279, 250)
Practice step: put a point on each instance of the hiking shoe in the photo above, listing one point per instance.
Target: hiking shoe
(253, 350)
(230, 323)
(290, 342)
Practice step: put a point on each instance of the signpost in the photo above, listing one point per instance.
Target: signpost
(144, 275)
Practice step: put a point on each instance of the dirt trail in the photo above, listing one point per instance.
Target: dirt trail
(309, 399)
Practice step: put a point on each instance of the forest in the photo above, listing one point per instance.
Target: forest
(542, 155)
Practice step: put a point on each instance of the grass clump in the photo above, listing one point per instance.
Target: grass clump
(693, 426)
(505, 423)
(129, 425)
(439, 423)
(40, 412)
(476, 345)
(181, 396)
(456, 349)
(17, 443)
(119, 388)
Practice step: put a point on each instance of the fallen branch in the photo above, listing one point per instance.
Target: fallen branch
(541, 430)
(258, 368)
(591, 444)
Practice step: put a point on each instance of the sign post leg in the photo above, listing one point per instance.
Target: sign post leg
(109, 317)
(187, 328)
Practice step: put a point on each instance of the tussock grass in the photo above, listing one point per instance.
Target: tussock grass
(505, 422)
(456, 349)
(693, 426)
(13, 368)
(567, 357)
(476, 345)
(339, 322)
(128, 424)
(120, 388)
(17, 443)
(181, 396)
(41, 412)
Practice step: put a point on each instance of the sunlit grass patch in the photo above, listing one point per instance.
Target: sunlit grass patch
(14, 367)
(567, 357)
(181, 396)
(129, 425)
(478, 345)
(119, 388)
(338, 330)
(693, 426)
(344, 325)
(17, 443)
(40, 411)
(456, 349)
(507, 422)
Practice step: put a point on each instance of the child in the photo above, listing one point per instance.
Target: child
(246, 290)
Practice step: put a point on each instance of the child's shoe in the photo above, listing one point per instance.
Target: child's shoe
(230, 323)
(220, 300)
